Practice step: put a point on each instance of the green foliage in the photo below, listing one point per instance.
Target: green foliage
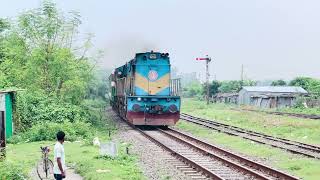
(4, 25)
(309, 84)
(38, 55)
(195, 89)
(95, 111)
(192, 89)
(35, 107)
(279, 82)
(234, 86)
(307, 131)
(213, 88)
(47, 131)
(99, 87)
(9, 170)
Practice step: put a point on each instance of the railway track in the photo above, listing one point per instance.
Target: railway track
(305, 116)
(198, 159)
(209, 160)
(285, 144)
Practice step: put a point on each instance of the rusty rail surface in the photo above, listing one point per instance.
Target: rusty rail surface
(204, 157)
(258, 170)
(288, 145)
(181, 157)
(206, 172)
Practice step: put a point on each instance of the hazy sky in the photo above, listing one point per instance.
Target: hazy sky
(272, 38)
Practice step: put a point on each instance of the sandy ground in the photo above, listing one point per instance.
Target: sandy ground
(70, 175)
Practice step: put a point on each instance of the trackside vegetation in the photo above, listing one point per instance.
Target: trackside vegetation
(296, 165)
(303, 130)
(307, 131)
(81, 155)
(45, 59)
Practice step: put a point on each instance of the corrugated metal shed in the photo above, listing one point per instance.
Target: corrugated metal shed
(270, 96)
(226, 98)
(6, 111)
(276, 89)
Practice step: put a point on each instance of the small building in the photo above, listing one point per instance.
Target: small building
(6, 115)
(229, 98)
(270, 96)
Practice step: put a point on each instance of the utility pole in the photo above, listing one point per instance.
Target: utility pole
(241, 83)
(208, 60)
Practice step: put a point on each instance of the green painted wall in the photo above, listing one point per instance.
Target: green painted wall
(9, 124)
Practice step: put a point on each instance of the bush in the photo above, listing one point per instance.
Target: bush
(11, 171)
(95, 111)
(34, 107)
(47, 131)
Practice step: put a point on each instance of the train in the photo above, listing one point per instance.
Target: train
(143, 93)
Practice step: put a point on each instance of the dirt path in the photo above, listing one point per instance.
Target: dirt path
(71, 175)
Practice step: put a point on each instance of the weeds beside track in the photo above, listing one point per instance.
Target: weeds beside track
(289, 145)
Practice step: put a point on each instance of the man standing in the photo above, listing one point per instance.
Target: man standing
(59, 167)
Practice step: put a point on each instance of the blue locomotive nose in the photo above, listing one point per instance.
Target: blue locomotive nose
(143, 92)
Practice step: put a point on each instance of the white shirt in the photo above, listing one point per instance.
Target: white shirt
(58, 153)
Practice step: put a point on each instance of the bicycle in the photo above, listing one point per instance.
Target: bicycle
(45, 165)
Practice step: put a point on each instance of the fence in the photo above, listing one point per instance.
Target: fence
(313, 102)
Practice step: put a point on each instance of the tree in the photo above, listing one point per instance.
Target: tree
(192, 89)
(235, 86)
(213, 88)
(39, 54)
(279, 83)
(230, 86)
(309, 84)
(303, 82)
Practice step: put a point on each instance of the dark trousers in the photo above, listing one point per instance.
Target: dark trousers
(58, 176)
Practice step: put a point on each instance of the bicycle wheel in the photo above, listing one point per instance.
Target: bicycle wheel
(45, 170)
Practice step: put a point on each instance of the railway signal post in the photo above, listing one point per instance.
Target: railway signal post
(208, 60)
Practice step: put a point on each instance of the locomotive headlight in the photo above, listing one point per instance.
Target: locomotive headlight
(139, 98)
(173, 108)
(153, 56)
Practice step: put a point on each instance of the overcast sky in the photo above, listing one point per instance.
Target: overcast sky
(273, 39)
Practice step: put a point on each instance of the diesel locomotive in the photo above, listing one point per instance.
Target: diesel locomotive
(143, 93)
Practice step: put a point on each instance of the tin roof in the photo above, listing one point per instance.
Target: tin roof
(276, 89)
(7, 91)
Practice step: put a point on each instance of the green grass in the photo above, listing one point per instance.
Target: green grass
(297, 110)
(304, 130)
(312, 111)
(91, 165)
(299, 166)
(84, 158)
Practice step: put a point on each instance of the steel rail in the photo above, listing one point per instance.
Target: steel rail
(215, 125)
(247, 163)
(220, 158)
(287, 141)
(186, 160)
(179, 156)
